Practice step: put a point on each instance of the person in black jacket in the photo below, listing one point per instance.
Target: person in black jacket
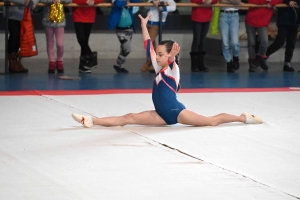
(288, 21)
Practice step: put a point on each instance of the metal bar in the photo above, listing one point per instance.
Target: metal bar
(160, 25)
(6, 7)
(177, 4)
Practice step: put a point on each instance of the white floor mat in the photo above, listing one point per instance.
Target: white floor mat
(45, 154)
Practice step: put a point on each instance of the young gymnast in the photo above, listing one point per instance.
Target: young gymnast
(168, 110)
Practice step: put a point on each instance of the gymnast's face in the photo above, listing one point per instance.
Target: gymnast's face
(162, 56)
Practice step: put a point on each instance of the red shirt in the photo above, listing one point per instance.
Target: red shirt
(202, 14)
(84, 14)
(260, 17)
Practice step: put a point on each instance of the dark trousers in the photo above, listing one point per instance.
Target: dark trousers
(200, 30)
(83, 31)
(14, 36)
(288, 34)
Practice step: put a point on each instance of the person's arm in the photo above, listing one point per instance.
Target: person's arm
(148, 43)
(168, 6)
(144, 27)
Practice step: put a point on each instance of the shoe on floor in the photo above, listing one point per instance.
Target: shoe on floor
(120, 69)
(264, 65)
(86, 121)
(230, 67)
(251, 119)
(235, 62)
(288, 67)
(83, 70)
(252, 66)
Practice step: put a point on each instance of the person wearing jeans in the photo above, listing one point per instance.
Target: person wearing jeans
(288, 21)
(257, 21)
(229, 28)
(255, 59)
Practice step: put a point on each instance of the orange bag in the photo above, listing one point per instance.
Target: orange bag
(28, 46)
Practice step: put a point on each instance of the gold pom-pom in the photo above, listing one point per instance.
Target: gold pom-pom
(56, 12)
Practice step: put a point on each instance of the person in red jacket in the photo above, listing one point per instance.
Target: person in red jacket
(201, 17)
(257, 21)
(83, 18)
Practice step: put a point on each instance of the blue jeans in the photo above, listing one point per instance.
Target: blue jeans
(229, 28)
(263, 38)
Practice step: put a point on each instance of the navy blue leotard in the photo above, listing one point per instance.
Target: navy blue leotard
(165, 88)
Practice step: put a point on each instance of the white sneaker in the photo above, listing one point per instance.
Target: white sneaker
(86, 121)
(251, 119)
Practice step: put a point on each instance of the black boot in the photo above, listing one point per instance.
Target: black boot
(258, 60)
(83, 63)
(201, 64)
(230, 67)
(236, 64)
(92, 60)
(264, 64)
(288, 67)
(252, 66)
(194, 61)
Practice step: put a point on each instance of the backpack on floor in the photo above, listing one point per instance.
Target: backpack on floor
(28, 46)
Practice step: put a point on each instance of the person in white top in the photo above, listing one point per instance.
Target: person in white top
(153, 24)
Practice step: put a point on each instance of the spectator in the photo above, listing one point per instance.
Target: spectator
(288, 21)
(54, 30)
(83, 18)
(229, 24)
(15, 15)
(201, 17)
(121, 18)
(153, 24)
(257, 21)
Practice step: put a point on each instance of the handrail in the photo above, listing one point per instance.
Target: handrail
(150, 4)
(242, 7)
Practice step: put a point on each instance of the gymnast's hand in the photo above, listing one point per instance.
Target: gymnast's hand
(175, 50)
(144, 20)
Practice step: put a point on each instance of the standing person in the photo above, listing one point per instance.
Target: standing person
(54, 30)
(153, 24)
(168, 110)
(229, 24)
(288, 21)
(121, 18)
(257, 21)
(201, 17)
(15, 15)
(83, 18)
